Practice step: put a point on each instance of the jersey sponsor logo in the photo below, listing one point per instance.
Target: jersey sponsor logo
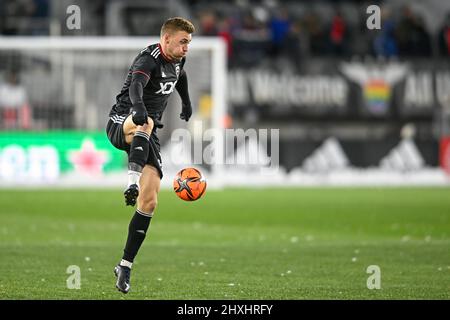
(166, 87)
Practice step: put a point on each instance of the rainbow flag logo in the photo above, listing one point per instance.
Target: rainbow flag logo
(377, 93)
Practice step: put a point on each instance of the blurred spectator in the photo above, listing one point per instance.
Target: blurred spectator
(13, 14)
(252, 27)
(294, 44)
(444, 37)
(385, 43)
(252, 41)
(24, 17)
(224, 31)
(211, 25)
(208, 23)
(279, 27)
(314, 29)
(413, 39)
(338, 35)
(14, 107)
(39, 11)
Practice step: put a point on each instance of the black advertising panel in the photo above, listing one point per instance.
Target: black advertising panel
(349, 90)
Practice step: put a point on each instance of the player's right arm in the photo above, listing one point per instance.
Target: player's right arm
(140, 76)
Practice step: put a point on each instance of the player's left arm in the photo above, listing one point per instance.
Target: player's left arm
(182, 88)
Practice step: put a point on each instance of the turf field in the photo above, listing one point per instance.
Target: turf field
(233, 244)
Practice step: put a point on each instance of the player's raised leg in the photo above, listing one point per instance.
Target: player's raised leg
(139, 224)
(138, 139)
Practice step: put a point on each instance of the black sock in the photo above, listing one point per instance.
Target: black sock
(138, 151)
(136, 234)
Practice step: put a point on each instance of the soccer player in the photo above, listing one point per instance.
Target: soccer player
(154, 74)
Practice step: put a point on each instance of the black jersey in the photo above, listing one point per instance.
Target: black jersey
(163, 76)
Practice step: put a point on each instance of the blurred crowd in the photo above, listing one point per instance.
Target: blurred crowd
(253, 30)
(260, 31)
(24, 17)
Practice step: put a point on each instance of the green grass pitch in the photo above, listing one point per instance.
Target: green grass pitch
(305, 243)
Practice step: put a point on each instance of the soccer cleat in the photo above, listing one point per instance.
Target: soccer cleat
(123, 278)
(131, 194)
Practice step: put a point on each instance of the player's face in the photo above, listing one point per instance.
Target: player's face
(177, 44)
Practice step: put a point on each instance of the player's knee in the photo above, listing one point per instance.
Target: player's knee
(148, 204)
(147, 127)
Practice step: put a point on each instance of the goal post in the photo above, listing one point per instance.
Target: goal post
(71, 84)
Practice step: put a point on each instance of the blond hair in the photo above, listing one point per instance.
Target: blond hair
(177, 24)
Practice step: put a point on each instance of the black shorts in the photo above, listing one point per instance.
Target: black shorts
(114, 130)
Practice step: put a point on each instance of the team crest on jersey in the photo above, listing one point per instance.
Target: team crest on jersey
(166, 87)
(177, 69)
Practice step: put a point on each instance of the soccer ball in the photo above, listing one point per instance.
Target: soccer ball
(189, 184)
